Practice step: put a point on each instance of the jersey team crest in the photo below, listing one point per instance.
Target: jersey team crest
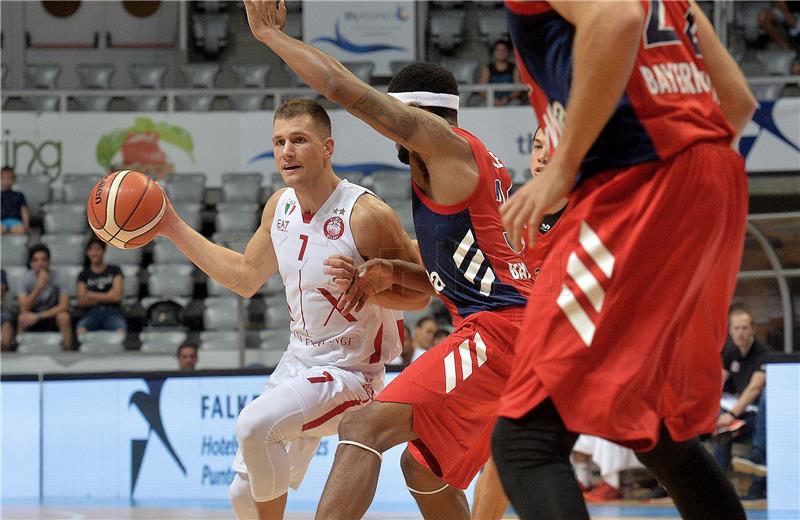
(334, 228)
(289, 208)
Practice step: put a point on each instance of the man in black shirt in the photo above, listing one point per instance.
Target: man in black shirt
(743, 376)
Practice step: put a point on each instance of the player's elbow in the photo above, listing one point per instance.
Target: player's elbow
(742, 113)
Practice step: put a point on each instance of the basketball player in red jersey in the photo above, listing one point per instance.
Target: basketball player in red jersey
(626, 344)
(457, 186)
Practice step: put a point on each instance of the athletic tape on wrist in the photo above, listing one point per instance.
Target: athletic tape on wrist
(358, 444)
(427, 99)
(427, 492)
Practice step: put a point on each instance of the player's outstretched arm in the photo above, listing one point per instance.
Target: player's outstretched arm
(244, 273)
(416, 129)
(604, 51)
(397, 279)
(735, 98)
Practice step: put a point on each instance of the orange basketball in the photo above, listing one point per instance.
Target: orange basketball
(125, 209)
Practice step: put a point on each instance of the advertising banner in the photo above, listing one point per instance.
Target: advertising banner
(54, 144)
(148, 439)
(379, 32)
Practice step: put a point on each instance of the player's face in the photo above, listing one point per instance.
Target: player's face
(741, 330)
(39, 261)
(300, 149)
(540, 155)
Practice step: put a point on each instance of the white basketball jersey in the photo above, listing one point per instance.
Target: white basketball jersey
(320, 334)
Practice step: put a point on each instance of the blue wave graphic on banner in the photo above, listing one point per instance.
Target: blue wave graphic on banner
(342, 42)
(365, 168)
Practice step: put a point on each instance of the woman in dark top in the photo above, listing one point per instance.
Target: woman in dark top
(501, 70)
(100, 292)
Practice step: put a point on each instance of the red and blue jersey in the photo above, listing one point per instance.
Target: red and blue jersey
(668, 103)
(464, 247)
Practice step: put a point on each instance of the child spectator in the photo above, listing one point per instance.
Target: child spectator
(15, 217)
(100, 292)
(43, 303)
(187, 356)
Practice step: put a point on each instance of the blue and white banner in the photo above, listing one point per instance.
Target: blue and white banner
(147, 439)
(52, 144)
(380, 32)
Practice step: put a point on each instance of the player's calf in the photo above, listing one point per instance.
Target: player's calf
(435, 498)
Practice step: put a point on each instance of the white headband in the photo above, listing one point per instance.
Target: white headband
(427, 99)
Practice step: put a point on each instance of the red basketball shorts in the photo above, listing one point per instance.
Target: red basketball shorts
(454, 391)
(626, 321)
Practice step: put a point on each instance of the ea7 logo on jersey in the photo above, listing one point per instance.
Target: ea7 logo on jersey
(283, 225)
(519, 271)
(334, 228)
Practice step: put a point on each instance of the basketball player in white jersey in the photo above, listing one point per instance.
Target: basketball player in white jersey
(334, 361)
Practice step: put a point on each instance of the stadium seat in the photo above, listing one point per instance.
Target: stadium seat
(242, 187)
(130, 280)
(92, 103)
(447, 28)
(39, 343)
(247, 102)
(767, 92)
(271, 358)
(41, 76)
(16, 277)
(274, 339)
(200, 75)
(65, 220)
(191, 213)
(68, 276)
(277, 315)
(170, 280)
(232, 237)
(147, 75)
(65, 249)
(777, 62)
(41, 103)
(361, 69)
(221, 313)
(294, 26)
(123, 257)
(145, 103)
(165, 252)
(391, 185)
(252, 75)
(3, 74)
(273, 286)
(236, 219)
(219, 340)
(36, 189)
(217, 289)
(95, 75)
(167, 342)
(101, 342)
(186, 188)
(194, 103)
(76, 188)
(492, 25)
(211, 31)
(464, 70)
(14, 250)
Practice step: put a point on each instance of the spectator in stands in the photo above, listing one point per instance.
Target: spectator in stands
(502, 70)
(756, 463)
(187, 356)
(15, 216)
(743, 378)
(44, 303)
(7, 331)
(423, 336)
(100, 292)
(440, 335)
(782, 23)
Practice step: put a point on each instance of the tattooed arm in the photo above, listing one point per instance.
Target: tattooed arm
(417, 130)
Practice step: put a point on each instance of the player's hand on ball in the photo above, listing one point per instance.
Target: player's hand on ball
(265, 16)
(531, 202)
